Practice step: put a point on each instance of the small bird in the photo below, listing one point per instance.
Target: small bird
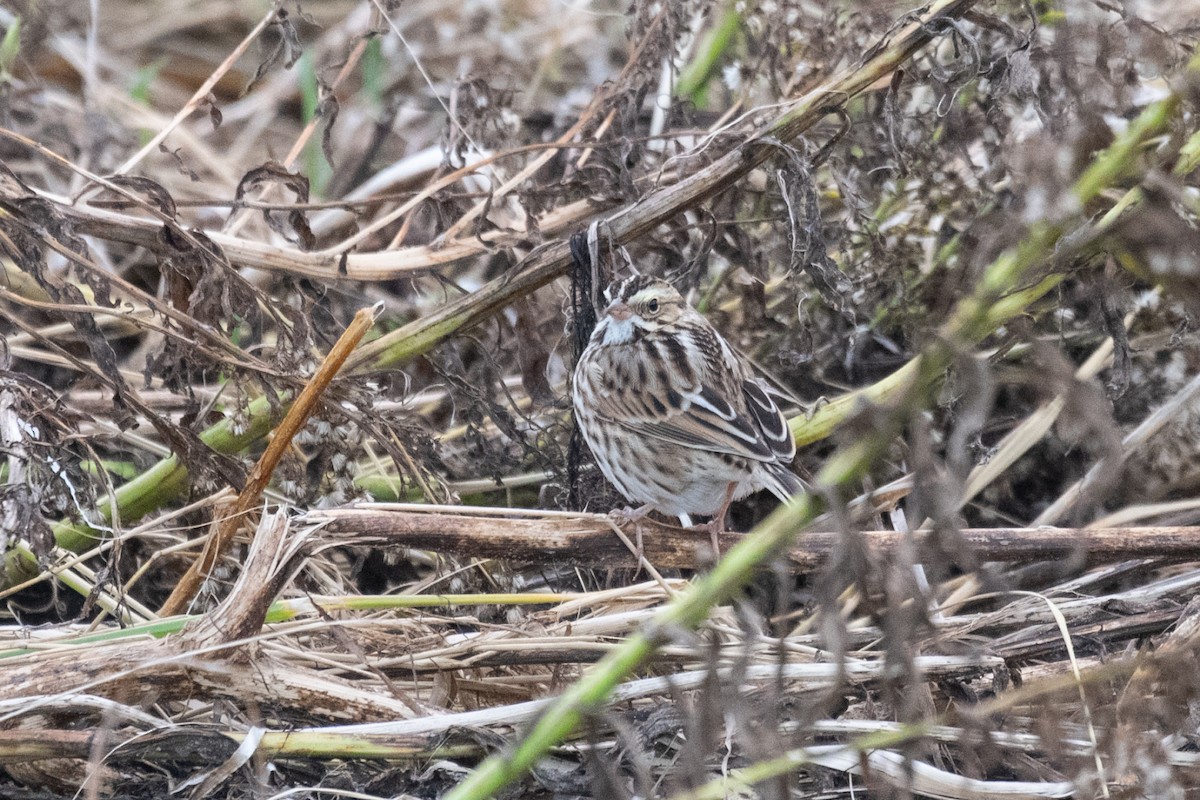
(675, 418)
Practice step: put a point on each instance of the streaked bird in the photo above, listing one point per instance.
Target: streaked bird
(675, 418)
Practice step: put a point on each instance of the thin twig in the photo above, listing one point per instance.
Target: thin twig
(260, 476)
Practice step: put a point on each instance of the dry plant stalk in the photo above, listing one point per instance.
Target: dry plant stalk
(830, 257)
(588, 539)
(297, 416)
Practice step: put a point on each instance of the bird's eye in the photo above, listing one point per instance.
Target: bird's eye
(652, 306)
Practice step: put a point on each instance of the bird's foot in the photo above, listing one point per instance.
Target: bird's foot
(714, 527)
(625, 516)
(811, 410)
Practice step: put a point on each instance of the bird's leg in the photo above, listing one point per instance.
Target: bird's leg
(716, 525)
(626, 515)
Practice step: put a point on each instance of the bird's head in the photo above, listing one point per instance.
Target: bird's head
(640, 304)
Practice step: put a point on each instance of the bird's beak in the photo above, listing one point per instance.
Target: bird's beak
(619, 311)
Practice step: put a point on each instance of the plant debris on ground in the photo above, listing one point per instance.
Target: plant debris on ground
(291, 500)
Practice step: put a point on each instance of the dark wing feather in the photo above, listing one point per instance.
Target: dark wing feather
(701, 419)
(687, 404)
(771, 422)
(783, 483)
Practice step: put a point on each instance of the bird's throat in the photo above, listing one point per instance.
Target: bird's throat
(619, 331)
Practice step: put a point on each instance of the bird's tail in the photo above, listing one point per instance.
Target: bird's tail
(783, 483)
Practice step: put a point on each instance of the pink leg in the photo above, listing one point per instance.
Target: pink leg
(626, 515)
(716, 526)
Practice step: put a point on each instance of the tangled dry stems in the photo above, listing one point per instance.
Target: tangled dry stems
(192, 288)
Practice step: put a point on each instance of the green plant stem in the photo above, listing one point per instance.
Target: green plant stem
(317, 744)
(164, 481)
(823, 420)
(685, 612)
(966, 326)
(740, 780)
(288, 610)
(656, 207)
(809, 428)
(693, 80)
(168, 478)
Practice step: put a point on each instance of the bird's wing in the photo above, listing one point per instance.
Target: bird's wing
(707, 402)
(702, 419)
(772, 425)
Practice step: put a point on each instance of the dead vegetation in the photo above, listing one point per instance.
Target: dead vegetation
(249, 555)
